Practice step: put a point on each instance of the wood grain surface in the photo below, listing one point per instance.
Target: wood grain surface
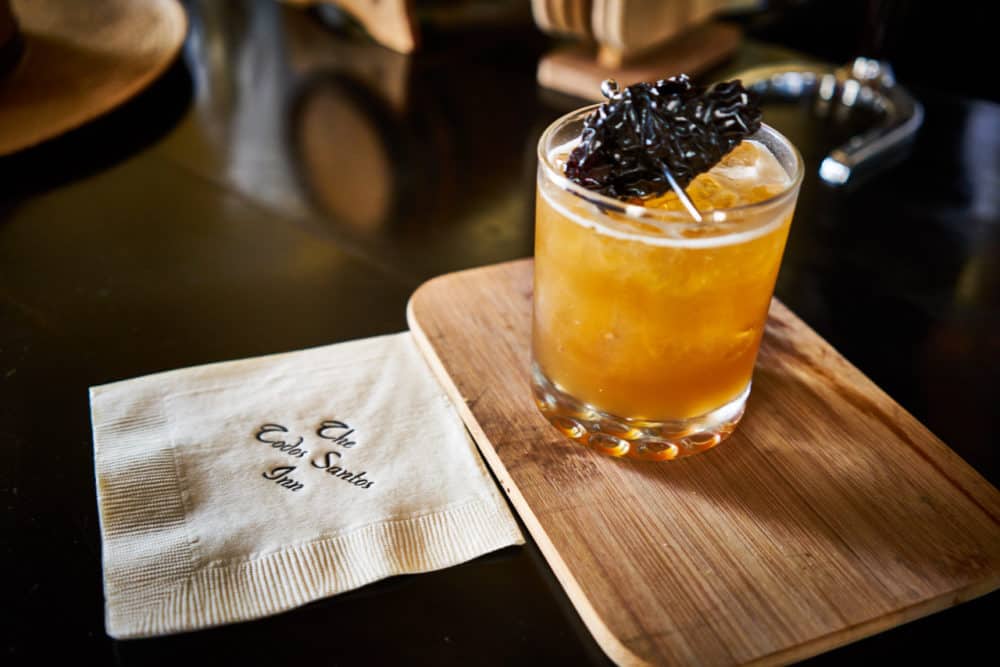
(831, 514)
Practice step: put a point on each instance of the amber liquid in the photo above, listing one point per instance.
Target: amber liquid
(659, 326)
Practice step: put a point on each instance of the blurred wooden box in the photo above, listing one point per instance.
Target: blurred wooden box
(631, 40)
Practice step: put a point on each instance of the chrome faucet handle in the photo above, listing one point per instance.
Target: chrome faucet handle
(865, 82)
(871, 83)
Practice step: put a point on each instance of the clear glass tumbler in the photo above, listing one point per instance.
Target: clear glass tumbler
(647, 323)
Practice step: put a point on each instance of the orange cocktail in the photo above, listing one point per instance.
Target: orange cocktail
(647, 323)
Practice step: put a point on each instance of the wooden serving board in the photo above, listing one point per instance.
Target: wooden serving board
(831, 514)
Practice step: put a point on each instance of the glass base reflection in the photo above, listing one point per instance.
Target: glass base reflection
(645, 440)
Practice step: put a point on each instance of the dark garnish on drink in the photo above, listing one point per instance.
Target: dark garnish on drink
(631, 142)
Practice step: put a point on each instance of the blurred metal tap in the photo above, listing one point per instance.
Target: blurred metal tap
(866, 83)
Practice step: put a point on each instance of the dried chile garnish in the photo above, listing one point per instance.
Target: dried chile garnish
(628, 141)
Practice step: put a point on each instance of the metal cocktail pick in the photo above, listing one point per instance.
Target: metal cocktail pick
(679, 191)
(609, 88)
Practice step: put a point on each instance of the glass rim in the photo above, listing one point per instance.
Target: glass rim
(678, 218)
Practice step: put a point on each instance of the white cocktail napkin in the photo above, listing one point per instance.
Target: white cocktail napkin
(237, 490)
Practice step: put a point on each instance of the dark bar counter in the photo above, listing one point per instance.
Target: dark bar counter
(286, 186)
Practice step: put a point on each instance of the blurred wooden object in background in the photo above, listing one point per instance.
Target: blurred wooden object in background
(78, 60)
(563, 17)
(391, 23)
(631, 40)
(10, 41)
